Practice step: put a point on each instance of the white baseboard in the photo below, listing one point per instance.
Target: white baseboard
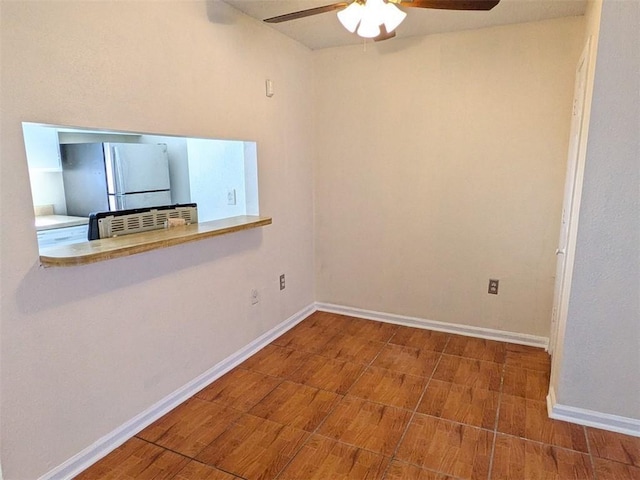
(591, 418)
(471, 331)
(117, 437)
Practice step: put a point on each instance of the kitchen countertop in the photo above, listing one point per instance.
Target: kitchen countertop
(107, 248)
(47, 222)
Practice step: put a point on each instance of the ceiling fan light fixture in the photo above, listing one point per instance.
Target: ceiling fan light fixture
(368, 29)
(368, 17)
(350, 17)
(372, 18)
(393, 16)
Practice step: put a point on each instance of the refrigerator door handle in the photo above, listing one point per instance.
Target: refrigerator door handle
(112, 187)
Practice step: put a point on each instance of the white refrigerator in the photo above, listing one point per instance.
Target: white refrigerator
(101, 177)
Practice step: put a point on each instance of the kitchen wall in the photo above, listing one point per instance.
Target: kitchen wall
(85, 349)
(215, 169)
(178, 165)
(48, 189)
(440, 164)
(601, 345)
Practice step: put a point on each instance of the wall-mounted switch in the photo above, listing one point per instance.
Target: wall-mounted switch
(282, 284)
(493, 286)
(269, 88)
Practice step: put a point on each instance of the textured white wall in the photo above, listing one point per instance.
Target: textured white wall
(440, 164)
(600, 367)
(85, 349)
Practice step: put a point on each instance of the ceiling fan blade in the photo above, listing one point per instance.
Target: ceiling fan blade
(450, 4)
(306, 13)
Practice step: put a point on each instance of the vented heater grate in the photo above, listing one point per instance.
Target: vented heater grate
(114, 224)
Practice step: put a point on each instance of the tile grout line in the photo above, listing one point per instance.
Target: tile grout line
(315, 431)
(331, 334)
(191, 459)
(591, 460)
(285, 379)
(538, 442)
(388, 342)
(495, 423)
(366, 366)
(422, 467)
(489, 430)
(415, 409)
(233, 424)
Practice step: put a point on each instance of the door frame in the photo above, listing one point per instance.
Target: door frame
(576, 157)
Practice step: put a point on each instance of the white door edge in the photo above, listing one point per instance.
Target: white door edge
(561, 304)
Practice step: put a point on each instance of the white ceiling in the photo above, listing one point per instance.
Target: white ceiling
(324, 30)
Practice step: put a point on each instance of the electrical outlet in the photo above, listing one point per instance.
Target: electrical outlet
(231, 196)
(282, 284)
(493, 286)
(255, 296)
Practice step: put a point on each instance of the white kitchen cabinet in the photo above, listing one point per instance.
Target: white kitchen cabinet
(62, 236)
(42, 147)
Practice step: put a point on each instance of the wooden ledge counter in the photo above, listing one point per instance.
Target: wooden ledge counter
(108, 248)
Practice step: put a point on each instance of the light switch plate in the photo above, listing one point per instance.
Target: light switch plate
(231, 196)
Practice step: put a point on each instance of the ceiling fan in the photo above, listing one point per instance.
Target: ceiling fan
(378, 19)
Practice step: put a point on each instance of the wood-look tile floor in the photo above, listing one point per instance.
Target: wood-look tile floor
(345, 398)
